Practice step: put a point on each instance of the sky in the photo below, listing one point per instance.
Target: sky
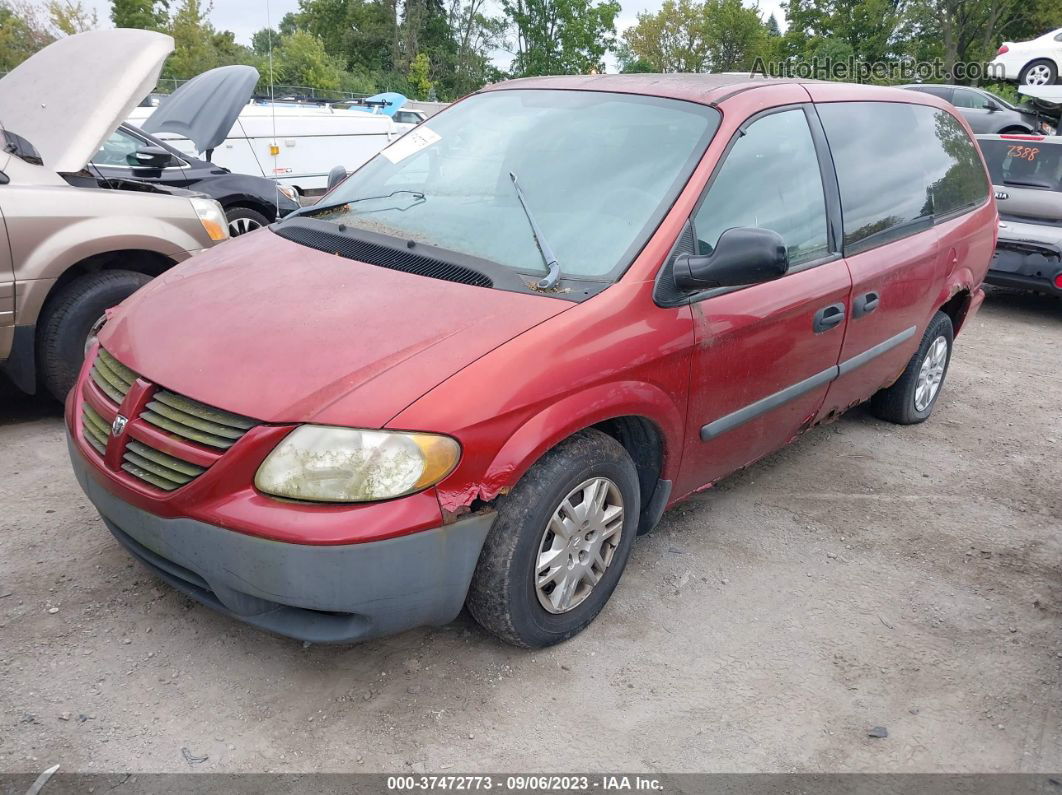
(244, 17)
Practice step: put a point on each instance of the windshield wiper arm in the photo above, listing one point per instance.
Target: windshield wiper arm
(416, 194)
(553, 267)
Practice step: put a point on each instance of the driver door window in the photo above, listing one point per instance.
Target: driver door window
(771, 180)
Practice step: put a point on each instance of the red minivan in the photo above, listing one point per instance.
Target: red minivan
(500, 350)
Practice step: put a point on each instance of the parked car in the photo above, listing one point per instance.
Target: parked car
(249, 201)
(291, 144)
(1026, 173)
(986, 112)
(1035, 63)
(67, 254)
(516, 336)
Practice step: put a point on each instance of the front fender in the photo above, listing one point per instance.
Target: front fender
(550, 426)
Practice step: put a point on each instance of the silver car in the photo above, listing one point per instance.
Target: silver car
(1027, 178)
(987, 113)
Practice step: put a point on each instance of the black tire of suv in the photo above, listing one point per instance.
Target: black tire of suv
(1051, 68)
(897, 402)
(67, 319)
(236, 214)
(502, 596)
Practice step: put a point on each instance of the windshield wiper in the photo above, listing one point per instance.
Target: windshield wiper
(314, 208)
(553, 267)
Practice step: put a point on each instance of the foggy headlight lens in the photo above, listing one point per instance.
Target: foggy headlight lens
(290, 192)
(212, 217)
(325, 464)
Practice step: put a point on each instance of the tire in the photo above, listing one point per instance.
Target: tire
(68, 319)
(243, 220)
(1041, 72)
(503, 596)
(902, 402)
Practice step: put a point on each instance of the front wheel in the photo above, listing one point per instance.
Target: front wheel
(912, 397)
(243, 220)
(559, 544)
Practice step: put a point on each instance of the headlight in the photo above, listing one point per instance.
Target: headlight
(212, 217)
(326, 464)
(290, 192)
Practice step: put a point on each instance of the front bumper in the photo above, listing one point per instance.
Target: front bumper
(1026, 266)
(320, 594)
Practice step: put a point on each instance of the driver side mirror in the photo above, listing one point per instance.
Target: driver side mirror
(991, 106)
(743, 256)
(152, 157)
(336, 175)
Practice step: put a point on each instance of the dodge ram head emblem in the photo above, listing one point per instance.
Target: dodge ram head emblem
(118, 425)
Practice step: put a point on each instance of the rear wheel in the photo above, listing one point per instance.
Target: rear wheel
(72, 317)
(243, 220)
(559, 544)
(1040, 72)
(912, 397)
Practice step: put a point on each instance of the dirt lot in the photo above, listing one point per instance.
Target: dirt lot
(868, 575)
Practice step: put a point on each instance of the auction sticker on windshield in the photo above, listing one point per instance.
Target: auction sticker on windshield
(410, 143)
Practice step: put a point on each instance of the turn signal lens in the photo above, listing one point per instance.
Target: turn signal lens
(212, 217)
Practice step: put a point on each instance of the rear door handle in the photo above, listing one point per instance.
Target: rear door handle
(828, 317)
(864, 304)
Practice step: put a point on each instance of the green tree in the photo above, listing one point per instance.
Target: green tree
(23, 31)
(419, 76)
(301, 60)
(146, 14)
(561, 36)
(772, 26)
(70, 16)
(193, 38)
(690, 36)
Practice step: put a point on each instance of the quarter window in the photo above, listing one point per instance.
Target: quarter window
(898, 165)
(771, 180)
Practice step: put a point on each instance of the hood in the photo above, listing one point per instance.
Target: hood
(264, 327)
(204, 109)
(67, 98)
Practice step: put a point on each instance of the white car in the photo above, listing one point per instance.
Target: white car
(1032, 63)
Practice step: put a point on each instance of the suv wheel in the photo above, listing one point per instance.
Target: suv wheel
(243, 220)
(71, 317)
(912, 397)
(559, 544)
(1041, 72)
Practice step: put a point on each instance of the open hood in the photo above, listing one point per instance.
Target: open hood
(67, 98)
(204, 109)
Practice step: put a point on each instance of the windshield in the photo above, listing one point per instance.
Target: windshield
(598, 171)
(1024, 163)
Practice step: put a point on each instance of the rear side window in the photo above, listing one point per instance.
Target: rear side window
(964, 98)
(1024, 164)
(898, 166)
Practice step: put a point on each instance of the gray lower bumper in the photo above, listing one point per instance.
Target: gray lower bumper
(321, 594)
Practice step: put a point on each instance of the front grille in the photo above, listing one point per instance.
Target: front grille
(94, 429)
(182, 419)
(111, 376)
(157, 468)
(383, 256)
(196, 421)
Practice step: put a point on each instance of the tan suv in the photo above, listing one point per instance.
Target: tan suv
(69, 252)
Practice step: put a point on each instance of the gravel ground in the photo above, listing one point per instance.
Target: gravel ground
(868, 575)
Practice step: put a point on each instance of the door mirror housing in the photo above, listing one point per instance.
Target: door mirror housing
(153, 157)
(743, 256)
(991, 106)
(336, 175)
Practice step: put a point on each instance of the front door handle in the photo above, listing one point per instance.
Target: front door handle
(865, 304)
(828, 317)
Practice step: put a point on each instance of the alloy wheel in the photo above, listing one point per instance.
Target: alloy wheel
(1039, 75)
(578, 544)
(241, 226)
(931, 374)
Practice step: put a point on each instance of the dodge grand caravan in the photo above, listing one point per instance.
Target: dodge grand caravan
(497, 352)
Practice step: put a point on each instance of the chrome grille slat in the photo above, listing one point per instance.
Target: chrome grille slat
(163, 459)
(120, 369)
(157, 469)
(111, 376)
(94, 428)
(186, 431)
(203, 411)
(198, 423)
(150, 477)
(109, 390)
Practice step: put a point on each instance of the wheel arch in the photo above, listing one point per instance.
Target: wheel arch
(640, 416)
